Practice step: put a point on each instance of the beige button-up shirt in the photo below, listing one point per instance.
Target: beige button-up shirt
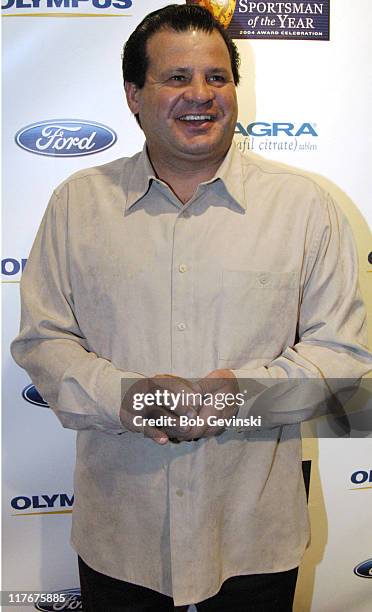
(256, 273)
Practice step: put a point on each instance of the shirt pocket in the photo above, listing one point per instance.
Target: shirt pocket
(259, 312)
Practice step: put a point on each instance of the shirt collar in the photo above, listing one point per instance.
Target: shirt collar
(140, 180)
(229, 173)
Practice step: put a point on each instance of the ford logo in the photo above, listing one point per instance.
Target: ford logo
(70, 599)
(65, 138)
(364, 569)
(31, 394)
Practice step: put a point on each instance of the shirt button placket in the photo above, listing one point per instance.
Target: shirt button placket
(181, 513)
(182, 295)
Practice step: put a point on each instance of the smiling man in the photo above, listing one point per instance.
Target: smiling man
(187, 104)
(188, 271)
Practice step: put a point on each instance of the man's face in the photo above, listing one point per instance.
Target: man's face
(188, 105)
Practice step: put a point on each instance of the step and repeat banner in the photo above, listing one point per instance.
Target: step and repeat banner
(304, 101)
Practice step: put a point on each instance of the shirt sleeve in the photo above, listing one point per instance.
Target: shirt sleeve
(83, 389)
(332, 337)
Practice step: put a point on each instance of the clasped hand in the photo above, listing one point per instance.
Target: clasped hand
(169, 408)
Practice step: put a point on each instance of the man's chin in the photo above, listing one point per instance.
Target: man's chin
(202, 148)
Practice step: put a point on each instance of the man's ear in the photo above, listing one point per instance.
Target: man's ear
(132, 94)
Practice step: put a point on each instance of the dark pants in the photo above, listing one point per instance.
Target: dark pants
(254, 593)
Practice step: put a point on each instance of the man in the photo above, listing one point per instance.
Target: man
(187, 268)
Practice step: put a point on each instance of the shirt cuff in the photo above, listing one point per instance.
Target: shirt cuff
(110, 388)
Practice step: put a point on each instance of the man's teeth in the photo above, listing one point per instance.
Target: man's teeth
(196, 118)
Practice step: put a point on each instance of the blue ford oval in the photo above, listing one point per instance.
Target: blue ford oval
(69, 599)
(364, 569)
(31, 394)
(65, 138)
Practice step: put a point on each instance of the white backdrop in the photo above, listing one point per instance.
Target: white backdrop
(69, 67)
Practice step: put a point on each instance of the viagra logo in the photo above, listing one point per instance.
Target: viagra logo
(262, 128)
(70, 599)
(65, 138)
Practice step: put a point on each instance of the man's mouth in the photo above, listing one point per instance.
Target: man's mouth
(197, 118)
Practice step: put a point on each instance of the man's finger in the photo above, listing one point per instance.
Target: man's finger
(176, 394)
(222, 381)
(168, 423)
(160, 437)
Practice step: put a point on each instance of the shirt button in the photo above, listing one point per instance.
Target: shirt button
(181, 327)
(179, 493)
(182, 267)
(263, 279)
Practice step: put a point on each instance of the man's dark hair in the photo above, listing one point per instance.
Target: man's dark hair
(177, 17)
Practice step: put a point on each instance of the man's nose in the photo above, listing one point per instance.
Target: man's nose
(199, 90)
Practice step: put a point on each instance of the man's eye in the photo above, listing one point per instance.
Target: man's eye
(177, 77)
(218, 78)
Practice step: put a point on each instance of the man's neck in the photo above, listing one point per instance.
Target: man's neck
(184, 179)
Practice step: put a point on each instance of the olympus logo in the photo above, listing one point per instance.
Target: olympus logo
(361, 477)
(44, 502)
(65, 4)
(65, 138)
(11, 266)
